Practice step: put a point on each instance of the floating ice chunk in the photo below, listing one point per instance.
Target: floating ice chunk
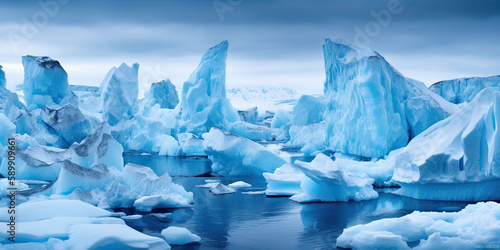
(140, 187)
(3, 81)
(132, 217)
(371, 108)
(281, 117)
(457, 158)
(191, 145)
(219, 188)
(240, 184)
(235, 155)
(204, 102)
(110, 236)
(325, 182)
(285, 181)
(119, 91)
(179, 236)
(463, 89)
(68, 121)
(208, 185)
(308, 110)
(255, 192)
(40, 210)
(475, 225)
(249, 115)
(162, 93)
(45, 82)
(98, 148)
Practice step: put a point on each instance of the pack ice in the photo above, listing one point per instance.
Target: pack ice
(373, 109)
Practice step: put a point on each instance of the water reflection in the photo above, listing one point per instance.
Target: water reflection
(175, 166)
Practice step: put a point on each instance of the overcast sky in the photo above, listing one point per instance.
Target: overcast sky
(271, 43)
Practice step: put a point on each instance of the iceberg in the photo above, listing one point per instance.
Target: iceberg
(325, 182)
(463, 89)
(255, 132)
(140, 187)
(308, 110)
(3, 80)
(235, 155)
(166, 145)
(475, 225)
(99, 148)
(19, 114)
(281, 117)
(310, 139)
(457, 159)
(179, 236)
(191, 145)
(373, 109)
(249, 115)
(119, 91)
(45, 82)
(162, 93)
(240, 184)
(68, 121)
(204, 103)
(7, 130)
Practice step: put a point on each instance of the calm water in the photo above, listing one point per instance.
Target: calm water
(239, 221)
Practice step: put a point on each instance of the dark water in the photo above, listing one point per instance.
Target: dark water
(239, 221)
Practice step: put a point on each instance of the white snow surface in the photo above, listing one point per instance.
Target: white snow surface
(179, 235)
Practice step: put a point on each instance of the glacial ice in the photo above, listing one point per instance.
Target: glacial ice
(3, 80)
(310, 138)
(45, 82)
(140, 187)
(371, 108)
(285, 181)
(19, 114)
(119, 91)
(308, 110)
(7, 130)
(166, 145)
(249, 115)
(179, 236)
(99, 148)
(191, 145)
(281, 117)
(68, 121)
(204, 103)
(463, 89)
(475, 225)
(235, 155)
(325, 182)
(255, 132)
(457, 158)
(162, 93)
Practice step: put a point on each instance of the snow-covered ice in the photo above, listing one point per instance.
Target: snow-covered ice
(476, 225)
(371, 108)
(457, 158)
(235, 155)
(463, 89)
(179, 236)
(240, 184)
(203, 101)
